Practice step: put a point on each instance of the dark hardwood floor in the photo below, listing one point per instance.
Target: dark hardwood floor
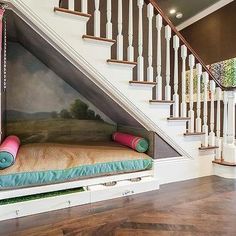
(204, 206)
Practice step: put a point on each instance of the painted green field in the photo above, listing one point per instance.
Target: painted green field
(60, 130)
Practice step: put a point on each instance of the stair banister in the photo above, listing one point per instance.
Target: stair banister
(120, 35)
(177, 47)
(140, 66)
(167, 21)
(97, 19)
(231, 117)
(205, 124)
(150, 13)
(212, 117)
(167, 87)
(109, 24)
(198, 119)
(218, 124)
(84, 6)
(159, 76)
(71, 5)
(176, 76)
(191, 111)
(184, 54)
(130, 50)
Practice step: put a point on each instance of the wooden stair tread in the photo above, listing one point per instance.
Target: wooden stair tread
(98, 38)
(193, 134)
(122, 62)
(77, 13)
(178, 118)
(208, 148)
(162, 101)
(142, 82)
(223, 163)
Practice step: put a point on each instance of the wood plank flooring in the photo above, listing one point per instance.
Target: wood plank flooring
(204, 206)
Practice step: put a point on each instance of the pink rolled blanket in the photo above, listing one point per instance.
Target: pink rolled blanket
(137, 143)
(8, 151)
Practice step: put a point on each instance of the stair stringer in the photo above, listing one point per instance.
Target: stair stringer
(40, 16)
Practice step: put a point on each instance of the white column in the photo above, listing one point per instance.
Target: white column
(191, 111)
(109, 24)
(71, 5)
(150, 13)
(183, 103)
(205, 126)
(84, 6)
(159, 77)
(225, 118)
(229, 148)
(231, 117)
(198, 119)
(119, 40)
(212, 118)
(167, 87)
(176, 77)
(140, 66)
(218, 123)
(97, 19)
(130, 51)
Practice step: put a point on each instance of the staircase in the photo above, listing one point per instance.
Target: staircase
(148, 76)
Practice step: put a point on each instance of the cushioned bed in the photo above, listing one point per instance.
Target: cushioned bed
(41, 164)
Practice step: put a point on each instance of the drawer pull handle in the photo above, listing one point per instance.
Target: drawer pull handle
(127, 192)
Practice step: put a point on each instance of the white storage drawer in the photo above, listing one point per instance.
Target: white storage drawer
(122, 188)
(26, 208)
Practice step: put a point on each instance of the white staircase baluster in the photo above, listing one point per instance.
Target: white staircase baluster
(198, 119)
(231, 117)
(159, 77)
(140, 66)
(225, 119)
(84, 6)
(97, 19)
(130, 50)
(167, 87)
(218, 123)
(212, 118)
(109, 24)
(120, 36)
(191, 111)
(183, 103)
(150, 13)
(176, 77)
(205, 126)
(71, 5)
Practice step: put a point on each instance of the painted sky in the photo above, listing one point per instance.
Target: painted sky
(33, 87)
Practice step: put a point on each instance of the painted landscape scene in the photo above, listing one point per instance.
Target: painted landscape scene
(41, 107)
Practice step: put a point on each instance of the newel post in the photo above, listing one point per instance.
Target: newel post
(218, 124)
(229, 147)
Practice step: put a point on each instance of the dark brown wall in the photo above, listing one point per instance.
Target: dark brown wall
(214, 37)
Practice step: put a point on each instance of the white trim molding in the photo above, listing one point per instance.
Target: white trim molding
(203, 13)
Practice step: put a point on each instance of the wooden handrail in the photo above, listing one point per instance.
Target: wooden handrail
(158, 10)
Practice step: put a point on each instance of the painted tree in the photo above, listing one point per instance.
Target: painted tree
(79, 110)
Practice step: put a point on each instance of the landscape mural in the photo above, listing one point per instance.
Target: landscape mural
(41, 107)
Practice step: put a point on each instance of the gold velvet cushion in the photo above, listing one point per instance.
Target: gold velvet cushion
(47, 163)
